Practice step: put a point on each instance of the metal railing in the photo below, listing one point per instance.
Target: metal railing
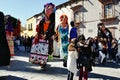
(115, 14)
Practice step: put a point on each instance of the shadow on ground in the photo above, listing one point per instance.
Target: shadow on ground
(9, 77)
(109, 65)
(22, 66)
(102, 77)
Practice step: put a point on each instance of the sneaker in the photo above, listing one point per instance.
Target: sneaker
(50, 57)
(113, 61)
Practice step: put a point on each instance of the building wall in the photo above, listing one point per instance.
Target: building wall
(90, 17)
(34, 20)
(117, 31)
(30, 22)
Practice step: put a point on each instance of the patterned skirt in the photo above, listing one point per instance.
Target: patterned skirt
(10, 44)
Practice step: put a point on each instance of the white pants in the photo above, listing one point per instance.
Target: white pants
(102, 55)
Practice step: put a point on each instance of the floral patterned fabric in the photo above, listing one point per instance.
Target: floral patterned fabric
(39, 52)
(63, 32)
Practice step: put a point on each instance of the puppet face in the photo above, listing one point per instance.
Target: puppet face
(48, 10)
(63, 19)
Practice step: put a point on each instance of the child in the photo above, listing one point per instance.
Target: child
(84, 62)
(71, 61)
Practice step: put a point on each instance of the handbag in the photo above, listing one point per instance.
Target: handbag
(39, 52)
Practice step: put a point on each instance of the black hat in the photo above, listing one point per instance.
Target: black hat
(81, 37)
(100, 24)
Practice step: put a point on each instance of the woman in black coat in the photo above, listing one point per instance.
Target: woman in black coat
(84, 61)
(4, 49)
(104, 32)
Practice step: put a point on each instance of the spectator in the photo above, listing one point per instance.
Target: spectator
(71, 61)
(103, 32)
(84, 62)
(73, 31)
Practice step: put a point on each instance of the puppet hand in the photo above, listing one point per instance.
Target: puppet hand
(43, 36)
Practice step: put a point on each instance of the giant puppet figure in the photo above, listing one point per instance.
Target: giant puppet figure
(45, 32)
(4, 48)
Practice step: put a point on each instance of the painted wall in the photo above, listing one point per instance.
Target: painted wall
(90, 17)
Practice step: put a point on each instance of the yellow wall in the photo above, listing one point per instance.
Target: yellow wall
(31, 22)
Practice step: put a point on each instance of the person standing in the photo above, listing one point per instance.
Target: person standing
(73, 31)
(84, 61)
(103, 32)
(71, 61)
(9, 34)
(63, 41)
(4, 48)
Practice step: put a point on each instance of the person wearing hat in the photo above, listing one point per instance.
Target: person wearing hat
(45, 28)
(9, 35)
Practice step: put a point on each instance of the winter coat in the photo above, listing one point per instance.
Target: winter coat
(101, 34)
(84, 58)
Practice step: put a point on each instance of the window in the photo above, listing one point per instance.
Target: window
(108, 11)
(77, 16)
(77, 13)
(30, 27)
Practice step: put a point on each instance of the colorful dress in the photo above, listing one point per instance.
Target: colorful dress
(9, 35)
(63, 33)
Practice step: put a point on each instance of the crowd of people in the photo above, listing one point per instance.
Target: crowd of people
(23, 42)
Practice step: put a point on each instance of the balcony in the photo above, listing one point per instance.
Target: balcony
(104, 2)
(109, 18)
